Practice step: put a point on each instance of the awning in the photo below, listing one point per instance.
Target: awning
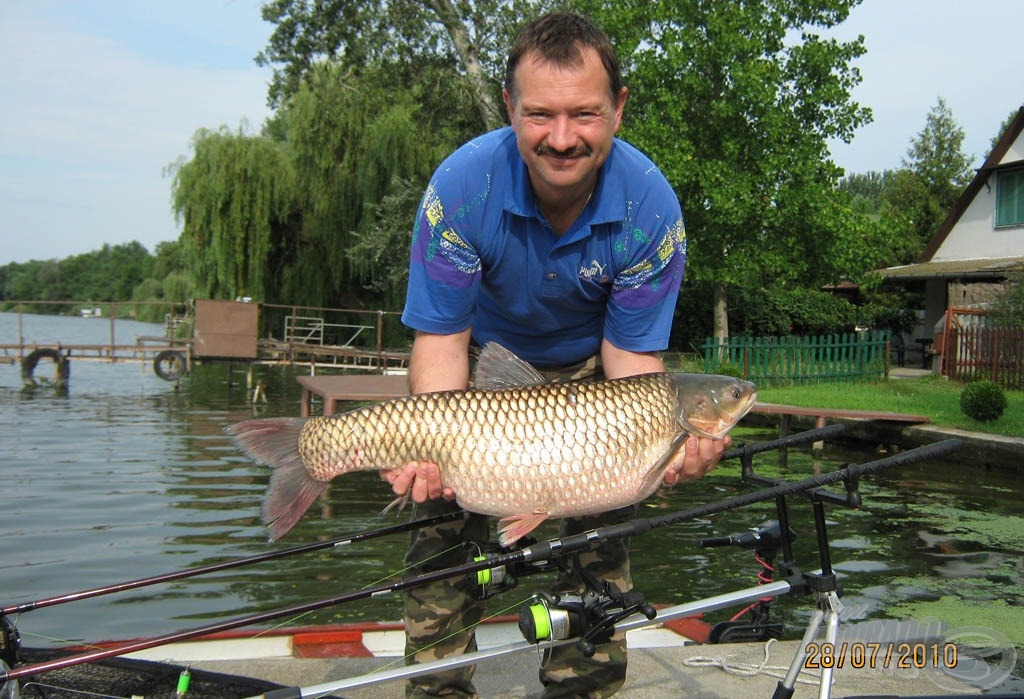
(955, 269)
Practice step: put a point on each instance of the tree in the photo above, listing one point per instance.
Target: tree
(355, 34)
(1002, 129)
(296, 213)
(354, 141)
(936, 154)
(936, 172)
(236, 201)
(736, 102)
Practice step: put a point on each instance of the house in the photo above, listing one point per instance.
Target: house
(982, 239)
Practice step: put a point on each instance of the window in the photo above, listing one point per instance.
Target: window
(1010, 198)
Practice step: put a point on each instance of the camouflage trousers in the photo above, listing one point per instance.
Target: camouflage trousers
(440, 617)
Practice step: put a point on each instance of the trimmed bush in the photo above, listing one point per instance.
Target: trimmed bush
(983, 400)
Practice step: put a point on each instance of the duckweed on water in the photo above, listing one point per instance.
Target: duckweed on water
(986, 529)
(957, 613)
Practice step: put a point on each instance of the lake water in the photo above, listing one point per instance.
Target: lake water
(124, 475)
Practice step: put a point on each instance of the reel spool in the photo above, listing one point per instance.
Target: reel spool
(553, 618)
(585, 616)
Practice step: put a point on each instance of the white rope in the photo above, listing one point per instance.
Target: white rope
(748, 669)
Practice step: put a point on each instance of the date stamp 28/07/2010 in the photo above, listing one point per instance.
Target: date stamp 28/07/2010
(903, 655)
(978, 656)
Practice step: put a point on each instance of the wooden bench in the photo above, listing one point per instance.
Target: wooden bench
(820, 415)
(339, 388)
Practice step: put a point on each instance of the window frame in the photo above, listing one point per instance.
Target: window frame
(1017, 186)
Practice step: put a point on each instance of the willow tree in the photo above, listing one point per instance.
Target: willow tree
(355, 141)
(236, 202)
(306, 213)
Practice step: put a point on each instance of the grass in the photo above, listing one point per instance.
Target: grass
(936, 397)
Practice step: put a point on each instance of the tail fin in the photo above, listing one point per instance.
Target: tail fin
(275, 443)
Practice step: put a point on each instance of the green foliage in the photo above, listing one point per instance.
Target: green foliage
(730, 370)
(936, 155)
(773, 310)
(983, 400)
(1008, 309)
(108, 274)
(736, 103)
(473, 35)
(236, 200)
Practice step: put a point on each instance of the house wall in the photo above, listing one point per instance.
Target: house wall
(975, 235)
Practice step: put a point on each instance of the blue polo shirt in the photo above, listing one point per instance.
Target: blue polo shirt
(483, 256)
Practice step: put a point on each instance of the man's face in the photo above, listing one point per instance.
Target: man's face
(564, 120)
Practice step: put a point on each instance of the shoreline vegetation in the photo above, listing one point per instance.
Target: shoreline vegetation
(936, 397)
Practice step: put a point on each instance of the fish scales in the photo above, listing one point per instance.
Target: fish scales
(516, 447)
(503, 451)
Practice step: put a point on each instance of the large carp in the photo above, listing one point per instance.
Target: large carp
(513, 446)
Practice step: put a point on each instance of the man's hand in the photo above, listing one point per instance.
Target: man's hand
(697, 456)
(421, 480)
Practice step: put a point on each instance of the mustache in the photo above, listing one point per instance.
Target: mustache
(580, 151)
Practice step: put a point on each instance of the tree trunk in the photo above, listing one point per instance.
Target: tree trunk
(490, 111)
(720, 311)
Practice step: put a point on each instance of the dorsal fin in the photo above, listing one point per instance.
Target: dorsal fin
(498, 369)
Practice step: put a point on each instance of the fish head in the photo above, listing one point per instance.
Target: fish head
(709, 405)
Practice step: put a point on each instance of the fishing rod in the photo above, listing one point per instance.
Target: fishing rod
(539, 552)
(233, 563)
(803, 437)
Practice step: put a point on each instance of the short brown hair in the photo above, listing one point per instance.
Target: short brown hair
(560, 38)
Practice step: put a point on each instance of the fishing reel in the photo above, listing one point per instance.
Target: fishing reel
(489, 582)
(10, 642)
(10, 648)
(589, 616)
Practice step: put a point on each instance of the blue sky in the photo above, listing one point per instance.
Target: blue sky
(99, 96)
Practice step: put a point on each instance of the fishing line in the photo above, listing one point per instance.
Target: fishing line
(234, 563)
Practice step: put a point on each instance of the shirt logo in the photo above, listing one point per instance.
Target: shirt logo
(595, 272)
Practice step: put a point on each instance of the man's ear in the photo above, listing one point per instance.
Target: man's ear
(509, 105)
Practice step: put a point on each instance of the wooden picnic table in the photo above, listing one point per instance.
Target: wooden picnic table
(337, 388)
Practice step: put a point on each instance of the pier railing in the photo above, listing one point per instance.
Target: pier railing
(317, 337)
(114, 345)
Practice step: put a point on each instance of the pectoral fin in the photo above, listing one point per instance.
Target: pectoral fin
(515, 527)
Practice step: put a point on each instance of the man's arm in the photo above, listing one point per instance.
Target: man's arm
(699, 454)
(437, 363)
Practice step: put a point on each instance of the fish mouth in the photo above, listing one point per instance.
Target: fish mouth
(715, 428)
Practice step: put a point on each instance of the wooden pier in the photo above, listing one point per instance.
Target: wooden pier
(211, 331)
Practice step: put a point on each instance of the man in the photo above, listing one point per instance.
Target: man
(565, 245)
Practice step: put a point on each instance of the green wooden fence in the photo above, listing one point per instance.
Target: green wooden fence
(794, 360)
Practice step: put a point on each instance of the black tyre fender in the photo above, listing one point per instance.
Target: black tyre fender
(169, 365)
(60, 361)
